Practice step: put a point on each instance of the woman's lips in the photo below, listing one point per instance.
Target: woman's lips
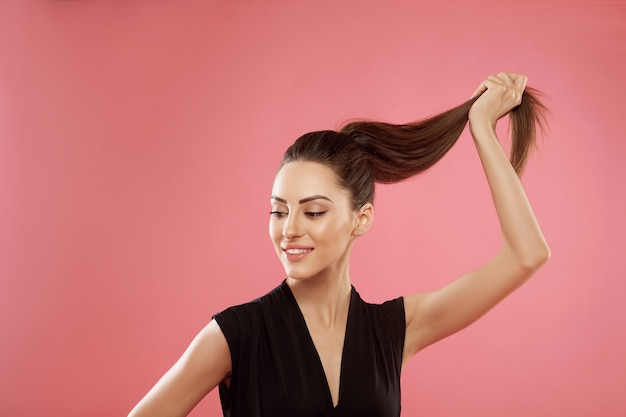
(296, 254)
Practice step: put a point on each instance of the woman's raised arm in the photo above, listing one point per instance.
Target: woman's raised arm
(434, 315)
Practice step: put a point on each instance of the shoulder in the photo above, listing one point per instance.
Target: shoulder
(387, 309)
(389, 313)
(255, 304)
(384, 322)
(241, 318)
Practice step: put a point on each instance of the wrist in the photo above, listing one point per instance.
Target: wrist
(482, 127)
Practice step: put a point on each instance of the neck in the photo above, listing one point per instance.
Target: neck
(323, 300)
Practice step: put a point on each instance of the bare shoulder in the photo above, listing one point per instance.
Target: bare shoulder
(203, 365)
(207, 358)
(212, 336)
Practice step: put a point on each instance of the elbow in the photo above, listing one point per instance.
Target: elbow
(534, 259)
(529, 257)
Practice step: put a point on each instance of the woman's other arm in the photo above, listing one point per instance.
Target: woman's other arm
(205, 364)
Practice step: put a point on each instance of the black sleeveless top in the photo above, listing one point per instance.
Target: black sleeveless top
(276, 371)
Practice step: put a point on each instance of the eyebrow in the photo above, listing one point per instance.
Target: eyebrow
(304, 200)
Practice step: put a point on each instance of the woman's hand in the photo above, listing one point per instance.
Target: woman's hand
(498, 95)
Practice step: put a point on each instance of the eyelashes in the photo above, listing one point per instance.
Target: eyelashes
(311, 214)
(278, 214)
(314, 213)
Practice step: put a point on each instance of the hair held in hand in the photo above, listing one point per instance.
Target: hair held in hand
(366, 152)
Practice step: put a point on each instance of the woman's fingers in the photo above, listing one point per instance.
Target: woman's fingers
(516, 82)
(481, 89)
(519, 80)
(499, 94)
(507, 79)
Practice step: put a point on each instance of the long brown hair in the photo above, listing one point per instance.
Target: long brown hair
(365, 152)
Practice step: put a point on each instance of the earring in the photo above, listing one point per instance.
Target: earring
(359, 233)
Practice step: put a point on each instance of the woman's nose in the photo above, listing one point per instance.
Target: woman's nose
(292, 227)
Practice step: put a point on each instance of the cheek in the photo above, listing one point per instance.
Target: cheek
(334, 233)
(274, 231)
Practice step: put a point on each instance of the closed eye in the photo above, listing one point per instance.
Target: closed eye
(314, 213)
(278, 214)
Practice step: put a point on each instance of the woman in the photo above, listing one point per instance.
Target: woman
(312, 347)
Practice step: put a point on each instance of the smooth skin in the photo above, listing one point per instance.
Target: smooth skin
(320, 278)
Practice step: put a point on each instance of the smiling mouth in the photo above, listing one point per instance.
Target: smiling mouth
(297, 251)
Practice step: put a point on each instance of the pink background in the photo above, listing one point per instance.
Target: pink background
(138, 141)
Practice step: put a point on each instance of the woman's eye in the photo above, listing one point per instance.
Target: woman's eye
(278, 214)
(314, 213)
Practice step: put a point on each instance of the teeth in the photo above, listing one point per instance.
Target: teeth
(297, 251)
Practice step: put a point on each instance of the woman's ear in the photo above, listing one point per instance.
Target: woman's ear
(364, 219)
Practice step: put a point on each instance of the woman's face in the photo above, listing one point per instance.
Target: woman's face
(312, 223)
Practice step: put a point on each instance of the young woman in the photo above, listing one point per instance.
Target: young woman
(312, 347)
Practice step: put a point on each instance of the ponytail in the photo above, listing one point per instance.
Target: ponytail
(366, 152)
(402, 151)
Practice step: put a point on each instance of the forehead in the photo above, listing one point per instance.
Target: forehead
(301, 179)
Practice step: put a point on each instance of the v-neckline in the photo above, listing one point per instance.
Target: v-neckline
(320, 366)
